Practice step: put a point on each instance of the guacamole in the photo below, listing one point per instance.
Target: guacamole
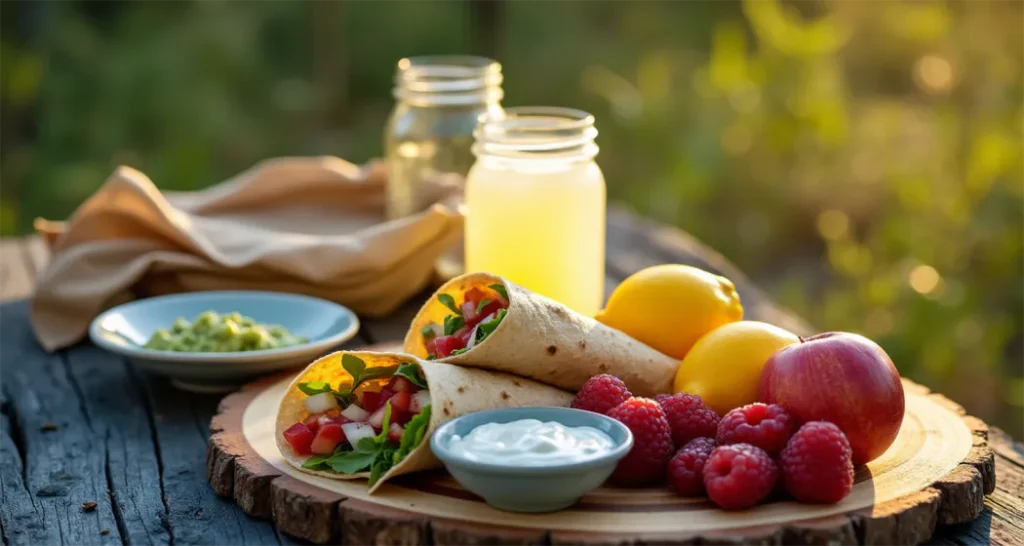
(214, 333)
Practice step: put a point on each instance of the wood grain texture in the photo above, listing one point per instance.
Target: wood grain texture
(61, 469)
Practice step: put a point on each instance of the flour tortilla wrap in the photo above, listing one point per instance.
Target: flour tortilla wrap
(454, 391)
(544, 340)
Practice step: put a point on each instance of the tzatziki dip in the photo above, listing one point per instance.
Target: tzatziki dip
(530, 442)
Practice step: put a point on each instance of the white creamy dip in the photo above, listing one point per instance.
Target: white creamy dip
(529, 442)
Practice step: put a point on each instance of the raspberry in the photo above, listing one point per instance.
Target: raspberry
(767, 427)
(601, 393)
(652, 442)
(686, 469)
(739, 476)
(817, 464)
(689, 417)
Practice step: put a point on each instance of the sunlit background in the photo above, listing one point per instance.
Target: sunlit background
(862, 160)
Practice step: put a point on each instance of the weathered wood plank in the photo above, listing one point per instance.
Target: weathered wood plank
(20, 518)
(195, 514)
(63, 468)
(16, 276)
(115, 404)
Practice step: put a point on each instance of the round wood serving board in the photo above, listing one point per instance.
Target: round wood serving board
(936, 472)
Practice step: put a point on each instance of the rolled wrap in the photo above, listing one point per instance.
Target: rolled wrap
(545, 340)
(454, 391)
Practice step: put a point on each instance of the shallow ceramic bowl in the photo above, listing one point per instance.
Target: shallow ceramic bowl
(126, 328)
(526, 488)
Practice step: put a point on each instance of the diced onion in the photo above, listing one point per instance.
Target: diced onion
(355, 413)
(319, 403)
(377, 419)
(472, 338)
(357, 431)
(420, 400)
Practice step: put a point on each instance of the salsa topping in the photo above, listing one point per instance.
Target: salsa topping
(371, 430)
(468, 324)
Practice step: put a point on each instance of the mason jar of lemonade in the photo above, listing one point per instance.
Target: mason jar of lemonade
(536, 204)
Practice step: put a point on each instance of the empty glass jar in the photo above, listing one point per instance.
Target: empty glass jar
(430, 131)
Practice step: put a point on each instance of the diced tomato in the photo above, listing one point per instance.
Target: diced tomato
(469, 314)
(447, 344)
(463, 335)
(492, 308)
(313, 421)
(389, 391)
(395, 432)
(469, 311)
(401, 417)
(431, 348)
(370, 401)
(299, 437)
(401, 384)
(477, 294)
(400, 401)
(327, 438)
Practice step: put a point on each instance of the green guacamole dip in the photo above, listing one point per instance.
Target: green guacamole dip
(214, 333)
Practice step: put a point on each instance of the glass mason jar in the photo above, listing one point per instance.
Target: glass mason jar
(536, 202)
(430, 131)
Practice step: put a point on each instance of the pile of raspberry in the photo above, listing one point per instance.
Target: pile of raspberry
(738, 461)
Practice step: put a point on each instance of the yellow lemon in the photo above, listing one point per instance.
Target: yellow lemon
(724, 366)
(669, 307)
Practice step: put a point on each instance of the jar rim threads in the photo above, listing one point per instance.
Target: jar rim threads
(435, 80)
(537, 132)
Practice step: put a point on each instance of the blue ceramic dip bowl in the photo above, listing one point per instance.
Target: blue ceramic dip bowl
(124, 330)
(531, 488)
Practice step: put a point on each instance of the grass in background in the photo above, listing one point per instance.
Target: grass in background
(862, 160)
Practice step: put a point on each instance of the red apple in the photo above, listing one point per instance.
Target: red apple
(843, 378)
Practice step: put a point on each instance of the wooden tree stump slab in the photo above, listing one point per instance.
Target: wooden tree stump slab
(937, 471)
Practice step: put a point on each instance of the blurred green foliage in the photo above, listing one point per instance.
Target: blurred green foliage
(861, 159)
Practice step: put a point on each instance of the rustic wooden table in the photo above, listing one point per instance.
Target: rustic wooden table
(93, 452)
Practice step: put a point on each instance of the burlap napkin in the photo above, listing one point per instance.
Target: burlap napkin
(307, 225)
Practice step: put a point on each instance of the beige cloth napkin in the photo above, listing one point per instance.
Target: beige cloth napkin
(308, 225)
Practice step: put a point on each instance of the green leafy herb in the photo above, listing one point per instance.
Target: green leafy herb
(486, 328)
(480, 306)
(449, 302)
(353, 365)
(315, 461)
(429, 332)
(311, 388)
(452, 324)
(458, 351)
(367, 445)
(350, 462)
(411, 372)
(499, 288)
(360, 374)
